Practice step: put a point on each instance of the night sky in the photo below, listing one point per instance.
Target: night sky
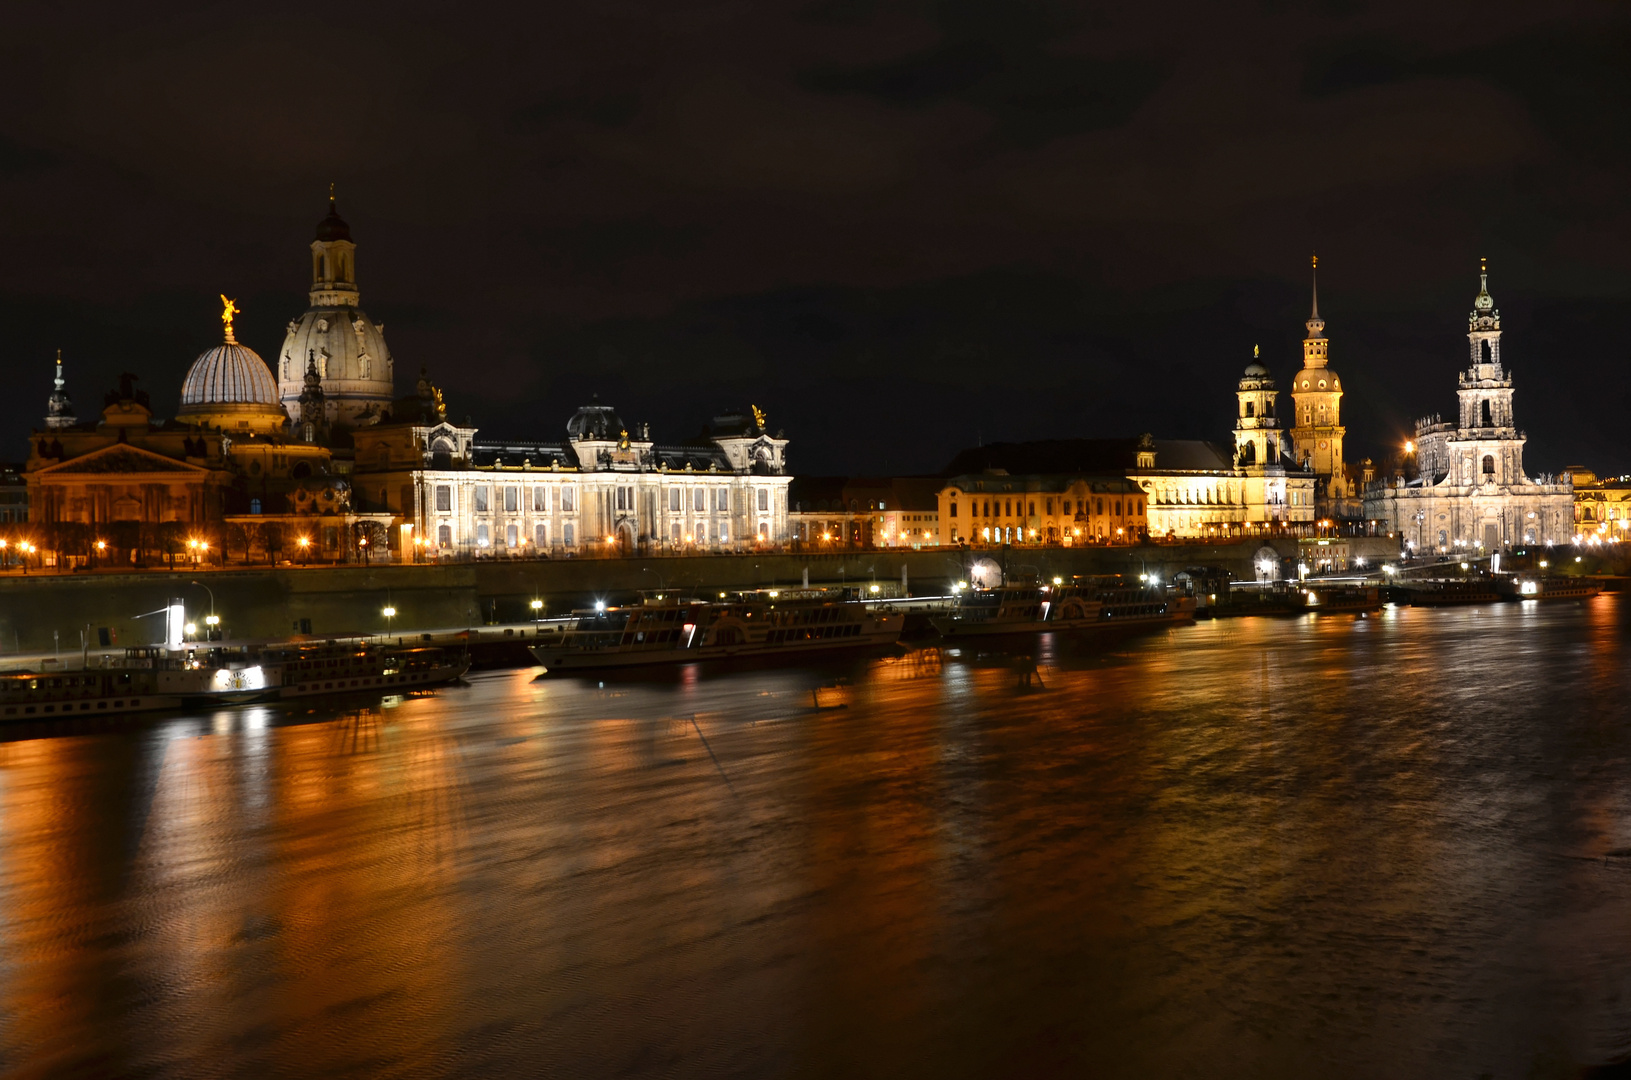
(898, 228)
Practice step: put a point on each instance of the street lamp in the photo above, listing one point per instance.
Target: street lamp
(390, 613)
(211, 620)
(537, 612)
(362, 542)
(305, 546)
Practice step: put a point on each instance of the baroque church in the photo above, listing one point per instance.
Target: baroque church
(1467, 488)
(321, 461)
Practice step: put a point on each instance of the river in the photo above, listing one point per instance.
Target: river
(1325, 846)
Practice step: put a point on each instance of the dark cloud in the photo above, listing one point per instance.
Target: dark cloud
(897, 226)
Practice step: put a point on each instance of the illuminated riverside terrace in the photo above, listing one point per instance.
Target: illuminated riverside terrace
(1395, 846)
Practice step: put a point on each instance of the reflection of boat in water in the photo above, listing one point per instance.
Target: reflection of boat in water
(1479, 590)
(1531, 587)
(765, 626)
(1338, 599)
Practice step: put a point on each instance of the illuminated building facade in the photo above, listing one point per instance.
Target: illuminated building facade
(1602, 505)
(601, 488)
(1470, 490)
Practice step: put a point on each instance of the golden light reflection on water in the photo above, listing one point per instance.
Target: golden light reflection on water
(1244, 848)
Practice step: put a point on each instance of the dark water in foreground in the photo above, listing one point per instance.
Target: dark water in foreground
(1395, 847)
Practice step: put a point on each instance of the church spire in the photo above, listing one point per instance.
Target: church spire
(59, 408)
(1315, 324)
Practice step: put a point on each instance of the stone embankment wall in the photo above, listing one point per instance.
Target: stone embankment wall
(45, 611)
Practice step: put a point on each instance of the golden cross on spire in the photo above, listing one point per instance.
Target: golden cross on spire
(229, 308)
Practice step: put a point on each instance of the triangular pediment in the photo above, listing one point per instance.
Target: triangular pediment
(121, 458)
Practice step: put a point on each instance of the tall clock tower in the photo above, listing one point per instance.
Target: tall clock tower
(1316, 423)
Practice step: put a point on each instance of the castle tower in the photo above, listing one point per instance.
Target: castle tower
(1316, 395)
(1486, 388)
(59, 408)
(1257, 428)
(355, 370)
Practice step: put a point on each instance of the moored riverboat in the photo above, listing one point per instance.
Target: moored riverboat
(308, 669)
(770, 626)
(1479, 590)
(144, 679)
(1522, 587)
(1339, 599)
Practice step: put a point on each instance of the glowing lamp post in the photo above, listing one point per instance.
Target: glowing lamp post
(390, 613)
(305, 548)
(537, 610)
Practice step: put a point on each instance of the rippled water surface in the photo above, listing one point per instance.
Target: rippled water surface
(1390, 847)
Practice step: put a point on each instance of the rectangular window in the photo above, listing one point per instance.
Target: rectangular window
(674, 530)
(566, 531)
(483, 493)
(444, 536)
(674, 500)
(512, 499)
(724, 501)
(540, 499)
(569, 502)
(512, 536)
(540, 534)
(724, 532)
(1050, 506)
(444, 498)
(953, 509)
(699, 499)
(764, 500)
(620, 503)
(483, 537)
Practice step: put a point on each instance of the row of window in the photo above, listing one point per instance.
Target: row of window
(514, 538)
(481, 496)
(1005, 507)
(702, 499)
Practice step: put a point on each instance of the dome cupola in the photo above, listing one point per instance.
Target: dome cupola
(594, 421)
(229, 386)
(336, 338)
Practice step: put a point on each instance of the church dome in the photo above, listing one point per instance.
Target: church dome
(594, 421)
(229, 374)
(333, 227)
(1254, 370)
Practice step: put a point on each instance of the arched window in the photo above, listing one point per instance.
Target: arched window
(1489, 465)
(1488, 420)
(1251, 410)
(1485, 353)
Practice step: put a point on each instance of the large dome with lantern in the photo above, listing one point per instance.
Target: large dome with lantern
(336, 338)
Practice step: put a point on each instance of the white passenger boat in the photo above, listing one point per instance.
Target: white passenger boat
(144, 679)
(1075, 605)
(1019, 609)
(770, 626)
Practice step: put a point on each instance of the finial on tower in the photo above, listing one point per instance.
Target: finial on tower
(1254, 352)
(229, 308)
(1316, 312)
(331, 194)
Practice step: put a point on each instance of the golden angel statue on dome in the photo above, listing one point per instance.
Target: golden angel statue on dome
(229, 308)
